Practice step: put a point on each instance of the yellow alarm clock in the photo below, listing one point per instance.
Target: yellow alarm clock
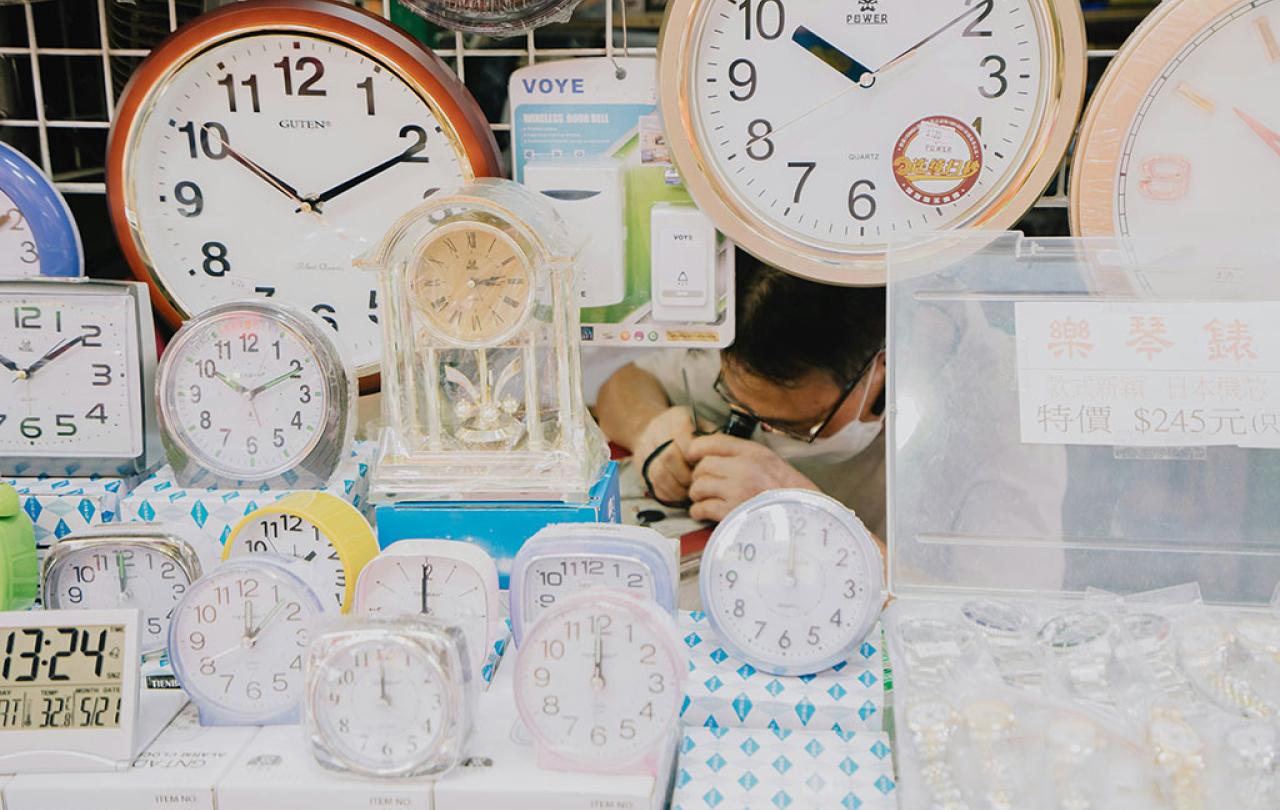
(325, 532)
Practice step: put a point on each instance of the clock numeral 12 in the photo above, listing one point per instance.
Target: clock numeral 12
(307, 88)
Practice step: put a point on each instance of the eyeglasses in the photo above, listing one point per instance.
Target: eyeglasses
(796, 430)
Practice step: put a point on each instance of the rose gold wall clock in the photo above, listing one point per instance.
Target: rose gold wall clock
(1183, 133)
(817, 132)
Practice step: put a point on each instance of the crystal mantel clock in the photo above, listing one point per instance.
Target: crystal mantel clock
(481, 366)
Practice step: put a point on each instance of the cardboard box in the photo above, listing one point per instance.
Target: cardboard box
(499, 527)
(209, 514)
(179, 769)
(768, 769)
(277, 771)
(502, 771)
(62, 506)
(721, 690)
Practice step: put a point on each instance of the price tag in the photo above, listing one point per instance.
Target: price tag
(69, 692)
(1149, 374)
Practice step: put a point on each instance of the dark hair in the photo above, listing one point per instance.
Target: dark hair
(789, 327)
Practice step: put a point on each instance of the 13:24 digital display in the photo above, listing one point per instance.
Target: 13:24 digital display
(61, 677)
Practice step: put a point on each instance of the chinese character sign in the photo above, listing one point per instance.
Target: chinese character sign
(1149, 374)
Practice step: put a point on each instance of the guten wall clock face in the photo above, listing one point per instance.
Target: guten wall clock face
(1183, 136)
(820, 132)
(254, 157)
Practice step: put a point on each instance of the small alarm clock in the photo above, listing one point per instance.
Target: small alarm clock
(19, 570)
(122, 565)
(566, 558)
(598, 683)
(326, 534)
(444, 579)
(38, 234)
(792, 582)
(389, 697)
(255, 393)
(238, 639)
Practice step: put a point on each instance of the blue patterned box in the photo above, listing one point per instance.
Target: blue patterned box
(721, 690)
(773, 769)
(208, 515)
(62, 506)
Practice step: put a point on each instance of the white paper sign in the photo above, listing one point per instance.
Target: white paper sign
(1149, 374)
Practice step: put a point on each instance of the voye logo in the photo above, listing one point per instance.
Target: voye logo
(868, 14)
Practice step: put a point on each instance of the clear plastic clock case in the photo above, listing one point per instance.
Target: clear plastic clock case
(481, 371)
(1009, 551)
(350, 659)
(331, 434)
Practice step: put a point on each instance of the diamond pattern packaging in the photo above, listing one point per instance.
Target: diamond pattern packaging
(722, 691)
(779, 768)
(62, 506)
(209, 514)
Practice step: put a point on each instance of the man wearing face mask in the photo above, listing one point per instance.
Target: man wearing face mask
(808, 365)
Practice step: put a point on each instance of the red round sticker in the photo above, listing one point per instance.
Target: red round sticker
(937, 160)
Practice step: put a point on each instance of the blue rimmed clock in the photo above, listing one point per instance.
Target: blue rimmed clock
(38, 235)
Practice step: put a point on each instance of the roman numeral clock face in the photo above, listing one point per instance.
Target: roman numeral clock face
(831, 129)
(1184, 134)
(261, 162)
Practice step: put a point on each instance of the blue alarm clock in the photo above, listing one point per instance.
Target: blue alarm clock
(38, 235)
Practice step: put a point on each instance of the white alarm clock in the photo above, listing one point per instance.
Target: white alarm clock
(77, 365)
(389, 697)
(598, 683)
(445, 579)
(238, 639)
(255, 393)
(566, 558)
(792, 582)
(121, 565)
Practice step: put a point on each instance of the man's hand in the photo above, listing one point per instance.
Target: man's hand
(728, 471)
(670, 474)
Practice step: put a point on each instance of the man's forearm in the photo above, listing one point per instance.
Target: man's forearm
(628, 402)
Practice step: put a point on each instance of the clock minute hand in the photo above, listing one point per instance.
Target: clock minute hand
(829, 54)
(253, 392)
(368, 174)
(1270, 137)
(914, 49)
(51, 355)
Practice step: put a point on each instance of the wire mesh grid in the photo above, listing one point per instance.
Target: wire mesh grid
(47, 118)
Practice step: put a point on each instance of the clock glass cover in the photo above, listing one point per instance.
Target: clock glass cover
(816, 133)
(265, 145)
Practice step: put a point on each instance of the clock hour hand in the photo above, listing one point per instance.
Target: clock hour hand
(232, 384)
(1269, 136)
(278, 184)
(368, 174)
(51, 355)
(841, 62)
(914, 49)
(266, 620)
(12, 366)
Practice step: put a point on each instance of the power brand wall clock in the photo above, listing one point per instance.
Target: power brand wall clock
(265, 145)
(815, 133)
(1183, 132)
(38, 234)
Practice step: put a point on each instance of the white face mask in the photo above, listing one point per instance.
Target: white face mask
(848, 442)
